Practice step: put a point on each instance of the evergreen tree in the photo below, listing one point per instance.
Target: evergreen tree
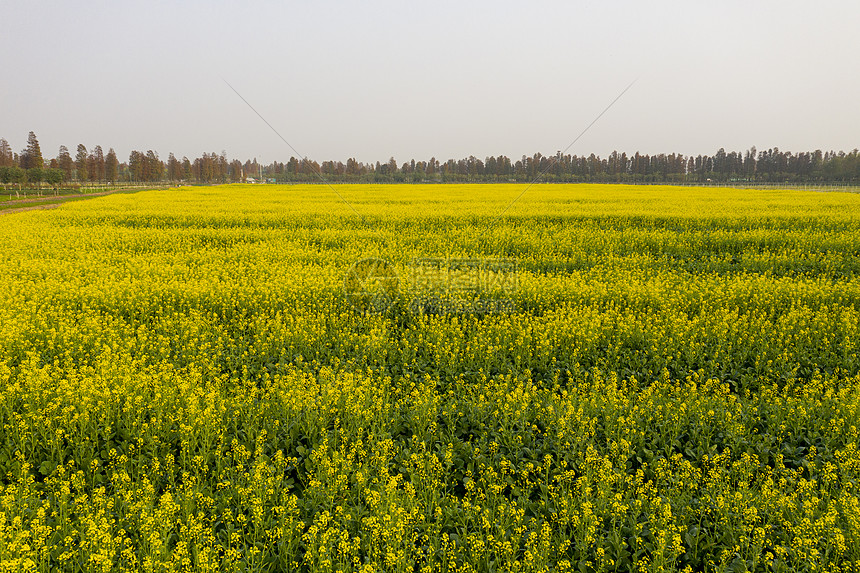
(7, 158)
(153, 168)
(186, 169)
(174, 168)
(135, 165)
(111, 166)
(97, 160)
(81, 160)
(31, 157)
(65, 163)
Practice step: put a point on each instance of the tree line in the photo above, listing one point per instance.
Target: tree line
(96, 166)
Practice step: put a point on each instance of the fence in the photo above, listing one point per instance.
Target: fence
(15, 191)
(818, 187)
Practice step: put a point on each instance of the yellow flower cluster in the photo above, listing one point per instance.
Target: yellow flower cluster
(184, 385)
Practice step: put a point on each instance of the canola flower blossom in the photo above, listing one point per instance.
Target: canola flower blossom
(186, 386)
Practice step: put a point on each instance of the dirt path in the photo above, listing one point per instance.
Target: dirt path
(58, 200)
(33, 208)
(63, 197)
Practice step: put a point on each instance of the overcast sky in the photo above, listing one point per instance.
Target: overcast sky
(377, 79)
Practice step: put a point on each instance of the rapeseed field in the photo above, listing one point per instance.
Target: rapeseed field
(672, 385)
